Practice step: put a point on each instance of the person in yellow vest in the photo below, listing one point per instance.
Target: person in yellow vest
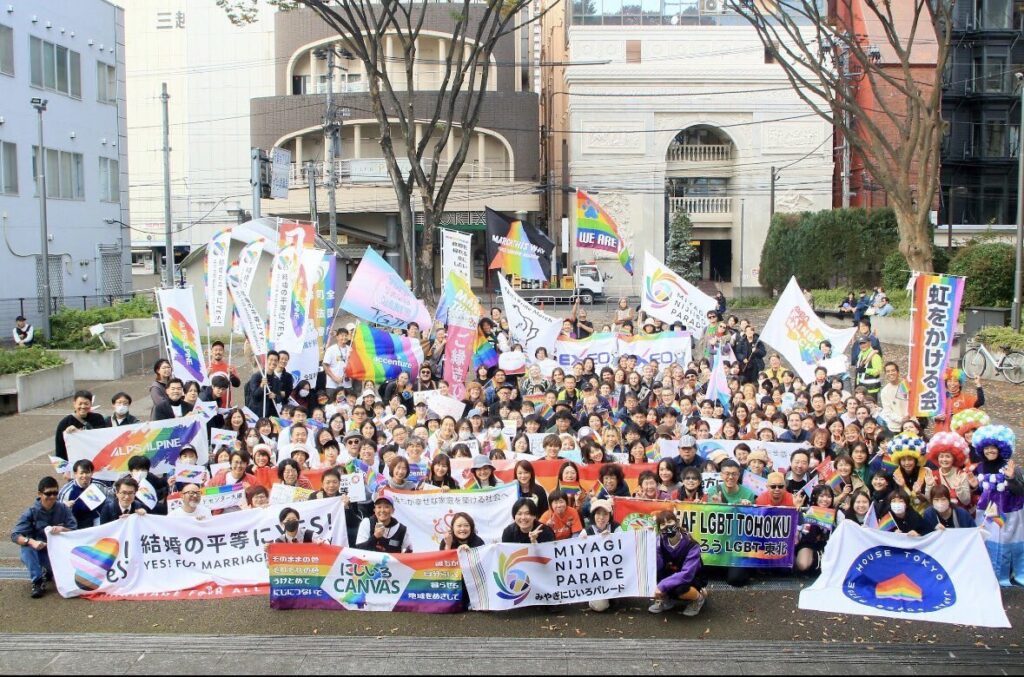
(869, 367)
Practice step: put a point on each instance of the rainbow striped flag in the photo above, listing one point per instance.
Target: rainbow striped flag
(185, 346)
(545, 410)
(570, 489)
(822, 517)
(836, 482)
(381, 356)
(888, 464)
(596, 229)
(515, 254)
(887, 523)
(484, 354)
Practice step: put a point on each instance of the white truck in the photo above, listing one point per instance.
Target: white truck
(588, 286)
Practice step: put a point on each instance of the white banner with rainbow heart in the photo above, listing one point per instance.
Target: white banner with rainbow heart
(158, 557)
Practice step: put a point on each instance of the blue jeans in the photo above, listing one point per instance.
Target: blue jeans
(35, 561)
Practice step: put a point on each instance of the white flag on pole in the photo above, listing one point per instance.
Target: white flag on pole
(669, 298)
(528, 325)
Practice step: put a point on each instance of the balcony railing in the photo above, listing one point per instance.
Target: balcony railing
(702, 204)
(375, 170)
(700, 153)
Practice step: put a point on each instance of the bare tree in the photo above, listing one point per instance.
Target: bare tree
(899, 140)
(476, 29)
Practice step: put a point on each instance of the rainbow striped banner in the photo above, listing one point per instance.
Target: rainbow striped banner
(338, 579)
(935, 311)
(484, 354)
(381, 356)
(730, 535)
(511, 250)
(184, 344)
(596, 229)
(160, 441)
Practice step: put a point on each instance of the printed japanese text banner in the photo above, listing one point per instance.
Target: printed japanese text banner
(936, 310)
(428, 514)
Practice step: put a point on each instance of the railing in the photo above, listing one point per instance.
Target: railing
(700, 153)
(375, 170)
(31, 307)
(705, 204)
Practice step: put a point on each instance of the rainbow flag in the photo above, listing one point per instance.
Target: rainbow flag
(184, 345)
(596, 229)
(822, 517)
(514, 254)
(381, 356)
(458, 304)
(570, 489)
(545, 410)
(484, 354)
(836, 482)
(887, 523)
(936, 307)
(888, 464)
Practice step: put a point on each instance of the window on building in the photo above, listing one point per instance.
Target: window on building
(992, 72)
(110, 180)
(106, 82)
(300, 84)
(56, 68)
(65, 174)
(993, 14)
(6, 50)
(8, 168)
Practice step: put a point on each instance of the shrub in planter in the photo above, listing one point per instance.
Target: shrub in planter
(989, 269)
(27, 360)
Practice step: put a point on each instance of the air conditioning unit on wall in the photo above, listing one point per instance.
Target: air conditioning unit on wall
(713, 6)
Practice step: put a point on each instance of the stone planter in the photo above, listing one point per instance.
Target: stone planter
(39, 388)
(134, 346)
(95, 365)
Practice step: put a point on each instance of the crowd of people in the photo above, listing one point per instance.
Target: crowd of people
(859, 452)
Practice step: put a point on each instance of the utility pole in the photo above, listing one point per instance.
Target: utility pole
(1019, 269)
(168, 235)
(771, 210)
(743, 225)
(314, 215)
(44, 240)
(844, 74)
(330, 141)
(255, 179)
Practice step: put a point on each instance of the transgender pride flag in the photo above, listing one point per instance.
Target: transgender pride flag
(718, 386)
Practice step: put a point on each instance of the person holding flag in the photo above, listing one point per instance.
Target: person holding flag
(749, 352)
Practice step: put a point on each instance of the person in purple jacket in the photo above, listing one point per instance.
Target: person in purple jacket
(680, 571)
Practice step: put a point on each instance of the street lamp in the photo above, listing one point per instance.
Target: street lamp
(44, 244)
(1019, 268)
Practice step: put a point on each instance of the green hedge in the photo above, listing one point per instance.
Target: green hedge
(824, 249)
(896, 270)
(69, 327)
(989, 269)
(996, 337)
(25, 360)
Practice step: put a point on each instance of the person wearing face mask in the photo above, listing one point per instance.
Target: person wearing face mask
(680, 571)
(175, 406)
(943, 514)
(121, 401)
(139, 468)
(293, 532)
(81, 418)
(301, 395)
(191, 504)
(907, 521)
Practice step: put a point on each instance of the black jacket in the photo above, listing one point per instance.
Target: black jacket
(128, 420)
(111, 511)
(513, 534)
(164, 412)
(92, 421)
(754, 352)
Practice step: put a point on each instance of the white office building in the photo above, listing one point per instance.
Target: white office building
(690, 114)
(212, 69)
(70, 55)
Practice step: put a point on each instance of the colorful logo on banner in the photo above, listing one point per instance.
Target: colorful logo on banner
(216, 283)
(381, 356)
(659, 287)
(900, 580)
(185, 343)
(299, 301)
(92, 563)
(157, 444)
(517, 255)
(512, 580)
(936, 309)
(362, 577)
(807, 338)
(596, 229)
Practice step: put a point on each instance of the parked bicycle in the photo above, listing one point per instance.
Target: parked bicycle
(977, 357)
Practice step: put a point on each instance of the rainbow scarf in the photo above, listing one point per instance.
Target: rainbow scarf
(887, 523)
(381, 356)
(484, 354)
(596, 229)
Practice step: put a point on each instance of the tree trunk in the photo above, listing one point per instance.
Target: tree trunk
(408, 231)
(915, 237)
(425, 268)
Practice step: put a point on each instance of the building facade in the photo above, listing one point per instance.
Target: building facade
(71, 55)
(675, 107)
(500, 171)
(212, 68)
(981, 104)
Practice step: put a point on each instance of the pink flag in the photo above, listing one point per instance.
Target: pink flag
(458, 355)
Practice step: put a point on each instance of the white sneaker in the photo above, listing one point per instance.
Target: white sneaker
(693, 608)
(661, 605)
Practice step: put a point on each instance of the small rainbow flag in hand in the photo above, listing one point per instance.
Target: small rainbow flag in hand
(836, 482)
(887, 523)
(570, 489)
(545, 410)
(596, 229)
(822, 517)
(484, 354)
(992, 514)
(888, 464)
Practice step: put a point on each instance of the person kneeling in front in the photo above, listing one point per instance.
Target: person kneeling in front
(680, 570)
(382, 532)
(30, 532)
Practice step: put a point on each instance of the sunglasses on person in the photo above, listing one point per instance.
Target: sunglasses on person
(50, 494)
(776, 486)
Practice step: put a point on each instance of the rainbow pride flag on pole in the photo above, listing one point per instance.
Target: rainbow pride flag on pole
(511, 250)
(596, 229)
(484, 354)
(381, 356)
(181, 332)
